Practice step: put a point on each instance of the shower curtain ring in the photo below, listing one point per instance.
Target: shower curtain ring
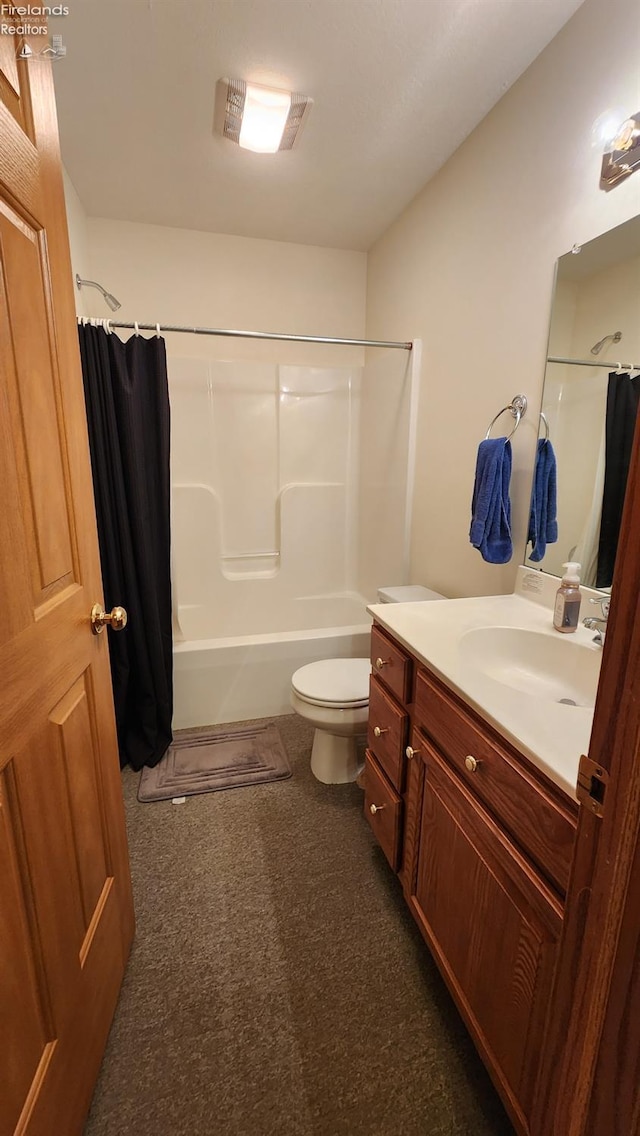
(135, 324)
(157, 331)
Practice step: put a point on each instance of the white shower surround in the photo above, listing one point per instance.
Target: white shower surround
(268, 480)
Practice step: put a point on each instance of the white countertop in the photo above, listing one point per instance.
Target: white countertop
(552, 736)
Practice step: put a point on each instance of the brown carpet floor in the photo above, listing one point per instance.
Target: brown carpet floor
(278, 985)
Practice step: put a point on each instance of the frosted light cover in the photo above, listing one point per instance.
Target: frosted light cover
(264, 119)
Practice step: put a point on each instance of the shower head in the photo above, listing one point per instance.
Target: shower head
(112, 302)
(597, 347)
(109, 299)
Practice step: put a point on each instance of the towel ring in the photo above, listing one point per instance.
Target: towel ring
(517, 407)
(545, 422)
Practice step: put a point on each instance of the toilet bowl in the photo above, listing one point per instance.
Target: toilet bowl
(333, 696)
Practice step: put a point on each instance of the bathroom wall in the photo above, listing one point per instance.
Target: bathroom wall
(79, 245)
(469, 268)
(182, 276)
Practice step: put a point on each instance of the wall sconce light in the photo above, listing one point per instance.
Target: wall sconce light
(622, 155)
(262, 119)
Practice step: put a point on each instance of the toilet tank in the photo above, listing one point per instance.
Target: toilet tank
(407, 593)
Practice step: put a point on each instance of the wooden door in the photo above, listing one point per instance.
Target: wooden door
(591, 1085)
(66, 917)
(493, 926)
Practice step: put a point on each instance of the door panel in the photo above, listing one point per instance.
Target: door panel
(19, 161)
(66, 918)
(21, 1002)
(11, 88)
(23, 267)
(72, 720)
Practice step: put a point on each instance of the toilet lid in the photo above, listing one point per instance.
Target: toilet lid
(339, 682)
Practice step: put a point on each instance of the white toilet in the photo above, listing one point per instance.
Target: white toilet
(333, 696)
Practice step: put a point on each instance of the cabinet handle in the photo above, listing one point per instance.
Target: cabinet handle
(471, 763)
(373, 809)
(411, 752)
(380, 663)
(377, 731)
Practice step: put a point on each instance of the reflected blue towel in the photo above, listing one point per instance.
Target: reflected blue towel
(491, 507)
(543, 525)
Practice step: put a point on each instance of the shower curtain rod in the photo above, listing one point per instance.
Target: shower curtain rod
(612, 365)
(261, 335)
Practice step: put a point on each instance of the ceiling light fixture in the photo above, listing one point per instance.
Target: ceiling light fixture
(262, 119)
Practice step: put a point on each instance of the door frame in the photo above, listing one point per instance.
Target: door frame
(591, 1078)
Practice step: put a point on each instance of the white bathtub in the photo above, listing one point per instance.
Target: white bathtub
(249, 676)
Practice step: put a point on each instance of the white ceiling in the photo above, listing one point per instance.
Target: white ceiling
(397, 86)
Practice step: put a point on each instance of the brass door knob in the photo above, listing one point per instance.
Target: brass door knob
(411, 752)
(380, 663)
(116, 619)
(471, 763)
(373, 809)
(377, 731)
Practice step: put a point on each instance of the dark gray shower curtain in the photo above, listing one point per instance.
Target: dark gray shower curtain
(623, 397)
(127, 398)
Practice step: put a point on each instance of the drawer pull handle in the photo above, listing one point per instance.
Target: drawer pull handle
(377, 731)
(471, 763)
(373, 809)
(411, 752)
(380, 663)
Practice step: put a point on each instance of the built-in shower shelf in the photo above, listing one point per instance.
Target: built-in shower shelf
(250, 565)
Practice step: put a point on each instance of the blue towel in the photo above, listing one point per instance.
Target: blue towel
(491, 507)
(543, 526)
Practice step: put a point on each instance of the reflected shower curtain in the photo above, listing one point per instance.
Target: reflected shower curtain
(127, 399)
(623, 396)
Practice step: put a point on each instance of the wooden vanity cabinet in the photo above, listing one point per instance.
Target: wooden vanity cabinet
(482, 845)
(387, 737)
(492, 925)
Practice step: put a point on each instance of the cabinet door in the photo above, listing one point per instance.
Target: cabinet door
(493, 927)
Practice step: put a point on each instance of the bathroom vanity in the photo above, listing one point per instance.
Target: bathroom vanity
(480, 829)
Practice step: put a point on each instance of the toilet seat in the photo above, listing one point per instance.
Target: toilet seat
(334, 683)
(332, 705)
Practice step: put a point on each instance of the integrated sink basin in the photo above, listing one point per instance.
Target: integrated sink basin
(546, 667)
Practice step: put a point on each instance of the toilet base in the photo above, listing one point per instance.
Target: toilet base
(334, 759)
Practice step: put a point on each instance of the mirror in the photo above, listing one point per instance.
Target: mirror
(590, 411)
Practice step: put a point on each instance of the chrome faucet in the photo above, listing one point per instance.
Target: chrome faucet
(599, 623)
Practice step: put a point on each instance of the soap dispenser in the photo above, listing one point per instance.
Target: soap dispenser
(567, 606)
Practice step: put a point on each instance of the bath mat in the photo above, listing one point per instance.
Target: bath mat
(204, 761)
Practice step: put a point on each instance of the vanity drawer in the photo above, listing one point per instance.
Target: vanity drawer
(387, 733)
(391, 664)
(383, 810)
(542, 826)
